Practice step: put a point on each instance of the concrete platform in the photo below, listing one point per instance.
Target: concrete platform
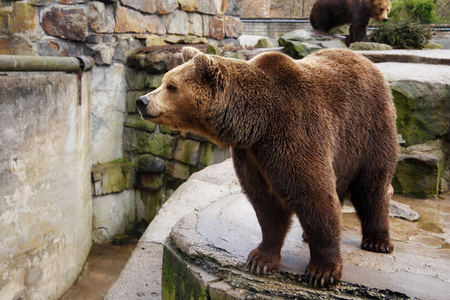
(209, 245)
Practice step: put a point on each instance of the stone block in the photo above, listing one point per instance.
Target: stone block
(153, 81)
(112, 214)
(154, 24)
(108, 112)
(131, 100)
(188, 5)
(65, 23)
(166, 6)
(177, 22)
(101, 17)
(213, 154)
(135, 79)
(40, 2)
(113, 177)
(129, 139)
(233, 26)
(23, 17)
(15, 45)
(154, 40)
(419, 174)
(205, 23)
(135, 121)
(128, 20)
(5, 21)
(207, 7)
(216, 30)
(147, 6)
(149, 181)
(187, 151)
(195, 24)
(103, 54)
(422, 110)
(161, 145)
(50, 46)
(149, 163)
(177, 170)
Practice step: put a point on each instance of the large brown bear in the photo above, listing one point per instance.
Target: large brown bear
(328, 14)
(304, 134)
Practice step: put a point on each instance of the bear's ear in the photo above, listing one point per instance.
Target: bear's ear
(207, 66)
(189, 53)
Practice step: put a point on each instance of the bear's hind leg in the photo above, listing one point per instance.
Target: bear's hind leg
(370, 197)
(320, 219)
(274, 217)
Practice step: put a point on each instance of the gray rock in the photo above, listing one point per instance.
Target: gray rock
(177, 22)
(402, 211)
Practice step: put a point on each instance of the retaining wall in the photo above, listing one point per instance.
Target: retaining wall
(45, 190)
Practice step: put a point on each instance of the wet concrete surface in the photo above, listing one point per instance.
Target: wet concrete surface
(102, 268)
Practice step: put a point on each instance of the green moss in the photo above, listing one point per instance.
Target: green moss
(178, 282)
(131, 100)
(211, 49)
(135, 121)
(153, 81)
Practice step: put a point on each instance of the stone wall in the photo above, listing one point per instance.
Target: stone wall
(45, 194)
(108, 31)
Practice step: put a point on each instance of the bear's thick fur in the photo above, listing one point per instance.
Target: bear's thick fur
(304, 134)
(328, 14)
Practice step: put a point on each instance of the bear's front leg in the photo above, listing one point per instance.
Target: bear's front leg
(274, 216)
(319, 215)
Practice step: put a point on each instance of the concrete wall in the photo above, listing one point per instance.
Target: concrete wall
(45, 190)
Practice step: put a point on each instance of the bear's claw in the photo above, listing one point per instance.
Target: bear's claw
(323, 275)
(377, 245)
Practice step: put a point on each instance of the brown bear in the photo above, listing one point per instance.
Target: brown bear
(304, 134)
(328, 14)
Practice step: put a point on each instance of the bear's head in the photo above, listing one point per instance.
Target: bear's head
(205, 95)
(380, 10)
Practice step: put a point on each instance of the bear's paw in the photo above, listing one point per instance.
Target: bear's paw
(259, 261)
(323, 275)
(383, 245)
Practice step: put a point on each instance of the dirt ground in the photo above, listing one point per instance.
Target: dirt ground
(101, 270)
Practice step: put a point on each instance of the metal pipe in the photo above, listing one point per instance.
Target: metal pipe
(22, 63)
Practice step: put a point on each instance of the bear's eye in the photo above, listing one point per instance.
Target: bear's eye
(171, 88)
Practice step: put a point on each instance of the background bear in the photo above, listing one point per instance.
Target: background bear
(328, 14)
(304, 134)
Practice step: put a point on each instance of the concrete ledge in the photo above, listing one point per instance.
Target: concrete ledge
(205, 255)
(218, 238)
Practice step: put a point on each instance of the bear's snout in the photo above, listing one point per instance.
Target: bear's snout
(385, 19)
(142, 103)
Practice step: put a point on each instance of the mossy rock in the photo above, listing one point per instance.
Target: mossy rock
(419, 175)
(149, 163)
(422, 110)
(158, 144)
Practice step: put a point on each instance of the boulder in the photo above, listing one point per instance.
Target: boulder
(369, 46)
(422, 110)
(265, 43)
(419, 175)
